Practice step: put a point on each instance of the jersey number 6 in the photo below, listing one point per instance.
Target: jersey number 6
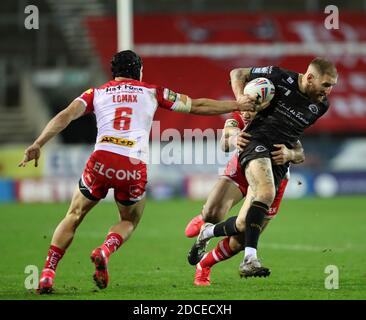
(122, 118)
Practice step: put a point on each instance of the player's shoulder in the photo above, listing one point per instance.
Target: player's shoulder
(288, 74)
(275, 73)
(89, 91)
(283, 76)
(283, 73)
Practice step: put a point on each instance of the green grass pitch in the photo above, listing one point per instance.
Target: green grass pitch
(306, 237)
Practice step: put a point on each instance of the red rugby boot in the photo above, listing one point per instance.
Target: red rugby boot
(202, 276)
(99, 258)
(45, 285)
(194, 226)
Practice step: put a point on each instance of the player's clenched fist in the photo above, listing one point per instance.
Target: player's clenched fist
(33, 152)
(246, 103)
(282, 155)
(242, 139)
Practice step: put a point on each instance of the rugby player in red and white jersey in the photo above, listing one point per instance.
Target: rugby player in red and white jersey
(124, 109)
(228, 191)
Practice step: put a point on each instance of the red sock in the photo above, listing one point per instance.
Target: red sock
(54, 255)
(220, 253)
(112, 243)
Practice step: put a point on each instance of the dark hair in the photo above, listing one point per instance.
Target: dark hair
(324, 66)
(126, 64)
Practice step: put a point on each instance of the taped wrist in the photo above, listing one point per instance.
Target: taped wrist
(183, 107)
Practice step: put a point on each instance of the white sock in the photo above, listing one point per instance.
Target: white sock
(208, 233)
(250, 252)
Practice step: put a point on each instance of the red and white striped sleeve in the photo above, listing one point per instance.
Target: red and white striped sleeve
(167, 98)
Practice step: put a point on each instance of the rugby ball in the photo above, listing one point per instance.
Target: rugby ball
(260, 88)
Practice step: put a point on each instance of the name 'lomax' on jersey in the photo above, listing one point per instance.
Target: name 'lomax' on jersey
(290, 111)
(124, 112)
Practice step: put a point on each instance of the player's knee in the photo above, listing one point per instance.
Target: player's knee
(266, 196)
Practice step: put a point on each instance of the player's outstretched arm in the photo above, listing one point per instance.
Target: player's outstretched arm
(75, 110)
(284, 154)
(212, 107)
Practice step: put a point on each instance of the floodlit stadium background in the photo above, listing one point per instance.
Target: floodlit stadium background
(190, 47)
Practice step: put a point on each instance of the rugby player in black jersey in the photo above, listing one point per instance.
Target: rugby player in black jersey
(299, 101)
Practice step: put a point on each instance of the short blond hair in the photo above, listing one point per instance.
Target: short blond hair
(324, 66)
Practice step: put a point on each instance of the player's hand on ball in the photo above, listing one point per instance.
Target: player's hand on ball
(261, 106)
(246, 103)
(242, 140)
(33, 152)
(282, 155)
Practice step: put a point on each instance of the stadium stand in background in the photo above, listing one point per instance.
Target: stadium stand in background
(190, 45)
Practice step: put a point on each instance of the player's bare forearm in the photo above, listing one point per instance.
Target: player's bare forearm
(298, 154)
(57, 124)
(54, 126)
(213, 107)
(228, 139)
(238, 78)
(283, 154)
(60, 122)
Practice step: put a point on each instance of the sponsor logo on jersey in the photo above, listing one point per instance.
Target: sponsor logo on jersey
(119, 141)
(260, 149)
(124, 88)
(290, 80)
(291, 113)
(265, 70)
(314, 108)
(170, 95)
(231, 123)
(133, 89)
(124, 98)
